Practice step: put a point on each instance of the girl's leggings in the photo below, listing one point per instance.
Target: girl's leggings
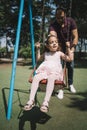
(49, 88)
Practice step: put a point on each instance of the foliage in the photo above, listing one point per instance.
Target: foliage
(43, 12)
(25, 52)
(3, 51)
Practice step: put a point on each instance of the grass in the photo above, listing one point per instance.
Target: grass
(67, 114)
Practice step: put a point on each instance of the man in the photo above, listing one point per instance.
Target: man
(65, 29)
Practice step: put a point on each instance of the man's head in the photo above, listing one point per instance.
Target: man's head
(60, 15)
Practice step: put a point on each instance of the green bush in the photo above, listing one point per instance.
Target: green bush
(3, 52)
(25, 52)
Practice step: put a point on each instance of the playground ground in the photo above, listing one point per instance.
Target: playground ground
(69, 113)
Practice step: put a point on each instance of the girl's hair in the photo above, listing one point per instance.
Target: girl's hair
(49, 36)
(47, 42)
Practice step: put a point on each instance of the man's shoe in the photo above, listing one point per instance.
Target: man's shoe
(60, 94)
(72, 89)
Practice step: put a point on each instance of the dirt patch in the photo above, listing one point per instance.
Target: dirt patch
(2, 65)
(20, 61)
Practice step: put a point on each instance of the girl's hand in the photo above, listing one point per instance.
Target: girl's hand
(37, 45)
(68, 44)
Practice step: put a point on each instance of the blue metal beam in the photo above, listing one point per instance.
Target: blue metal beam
(9, 111)
(31, 33)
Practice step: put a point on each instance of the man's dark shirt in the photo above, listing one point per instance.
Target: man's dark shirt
(64, 33)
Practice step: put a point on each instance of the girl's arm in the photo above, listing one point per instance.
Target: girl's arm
(38, 54)
(69, 56)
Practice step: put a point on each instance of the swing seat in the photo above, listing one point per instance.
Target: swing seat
(58, 84)
(44, 81)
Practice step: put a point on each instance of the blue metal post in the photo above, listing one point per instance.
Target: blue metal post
(9, 111)
(31, 33)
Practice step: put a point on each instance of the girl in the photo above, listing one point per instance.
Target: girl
(50, 69)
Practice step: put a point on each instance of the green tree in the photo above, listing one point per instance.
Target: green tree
(43, 14)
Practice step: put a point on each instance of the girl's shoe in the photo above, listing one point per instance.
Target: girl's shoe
(29, 106)
(44, 107)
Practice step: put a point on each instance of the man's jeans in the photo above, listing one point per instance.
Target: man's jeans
(70, 66)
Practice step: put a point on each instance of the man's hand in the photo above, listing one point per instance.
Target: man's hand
(73, 49)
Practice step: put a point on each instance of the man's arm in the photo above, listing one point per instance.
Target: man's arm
(75, 39)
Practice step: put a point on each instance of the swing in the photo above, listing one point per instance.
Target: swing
(62, 83)
(57, 84)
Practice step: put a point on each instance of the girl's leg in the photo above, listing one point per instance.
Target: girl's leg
(35, 84)
(49, 90)
(50, 87)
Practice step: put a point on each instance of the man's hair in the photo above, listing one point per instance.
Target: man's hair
(60, 9)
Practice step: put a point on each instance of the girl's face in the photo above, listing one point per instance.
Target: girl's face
(53, 44)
